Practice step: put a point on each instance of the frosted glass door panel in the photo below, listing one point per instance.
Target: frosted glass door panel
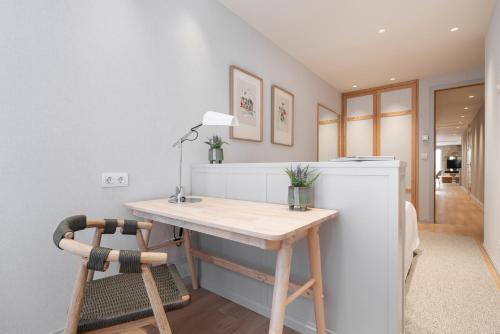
(360, 106)
(328, 134)
(395, 139)
(396, 101)
(360, 137)
(359, 128)
(328, 142)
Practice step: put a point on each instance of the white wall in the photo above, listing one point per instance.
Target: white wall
(95, 86)
(427, 86)
(492, 141)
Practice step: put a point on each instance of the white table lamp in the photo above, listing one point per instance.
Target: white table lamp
(209, 118)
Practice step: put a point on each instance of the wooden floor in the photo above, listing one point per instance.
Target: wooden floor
(458, 213)
(211, 314)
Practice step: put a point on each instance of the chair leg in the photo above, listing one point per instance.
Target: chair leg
(155, 300)
(96, 242)
(75, 306)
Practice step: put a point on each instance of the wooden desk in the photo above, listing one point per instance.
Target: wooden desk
(264, 225)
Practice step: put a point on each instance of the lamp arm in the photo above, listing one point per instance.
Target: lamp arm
(186, 136)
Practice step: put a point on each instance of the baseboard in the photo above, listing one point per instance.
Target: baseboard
(476, 200)
(493, 261)
(264, 310)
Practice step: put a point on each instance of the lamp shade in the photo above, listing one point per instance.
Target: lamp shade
(217, 118)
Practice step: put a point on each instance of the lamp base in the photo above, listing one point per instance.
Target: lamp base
(184, 199)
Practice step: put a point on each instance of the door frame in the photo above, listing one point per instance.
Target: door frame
(435, 91)
(376, 92)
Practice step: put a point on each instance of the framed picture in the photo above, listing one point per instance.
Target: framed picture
(282, 113)
(246, 104)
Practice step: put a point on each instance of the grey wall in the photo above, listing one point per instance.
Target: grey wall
(98, 86)
(492, 141)
(427, 87)
(473, 138)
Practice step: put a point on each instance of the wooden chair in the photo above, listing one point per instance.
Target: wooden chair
(135, 298)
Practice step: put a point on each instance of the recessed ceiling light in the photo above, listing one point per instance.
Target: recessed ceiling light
(471, 96)
(381, 30)
(354, 86)
(466, 108)
(462, 116)
(454, 29)
(392, 79)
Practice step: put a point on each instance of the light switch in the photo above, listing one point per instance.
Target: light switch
(425, 137)
(424, 156)
(109, 180)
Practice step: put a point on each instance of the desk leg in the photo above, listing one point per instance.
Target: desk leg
(190, 260)
(315, 265)
(280, 292)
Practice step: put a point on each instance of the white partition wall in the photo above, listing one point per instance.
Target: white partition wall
(361, 250)
(360, 114)
(328, 133)
(384, 121)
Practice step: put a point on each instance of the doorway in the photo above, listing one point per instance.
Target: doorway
(459, 159)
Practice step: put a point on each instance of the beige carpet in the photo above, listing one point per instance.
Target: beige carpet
(449, 289)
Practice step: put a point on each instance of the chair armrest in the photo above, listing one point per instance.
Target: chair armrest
(100, 223)
(83, 250)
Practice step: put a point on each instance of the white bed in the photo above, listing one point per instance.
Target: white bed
(411, 236)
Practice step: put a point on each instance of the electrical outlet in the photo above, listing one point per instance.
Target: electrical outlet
(109, 180)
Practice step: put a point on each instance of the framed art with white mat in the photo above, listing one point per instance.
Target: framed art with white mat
(246, 104)
(282, 113)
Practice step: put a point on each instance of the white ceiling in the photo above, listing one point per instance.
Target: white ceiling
(339, 39)
(450, 106)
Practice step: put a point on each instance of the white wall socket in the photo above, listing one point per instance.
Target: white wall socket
(109, 180)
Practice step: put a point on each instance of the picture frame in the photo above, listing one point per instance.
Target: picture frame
(246, 103)
(282, 116)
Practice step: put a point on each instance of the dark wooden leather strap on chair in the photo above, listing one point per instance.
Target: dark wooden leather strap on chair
(128, 300)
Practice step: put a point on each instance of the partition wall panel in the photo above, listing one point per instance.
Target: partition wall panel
(384, 121)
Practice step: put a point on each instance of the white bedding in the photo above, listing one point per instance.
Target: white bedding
(411, 238)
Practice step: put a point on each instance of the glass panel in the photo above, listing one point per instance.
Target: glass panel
(395, 139)
(360, 137)
(395, 100)
(359, 132)
(328, 139)
(360, 106)
(327, 134)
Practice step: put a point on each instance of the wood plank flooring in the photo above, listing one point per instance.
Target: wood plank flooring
(212, 314)
(457, 212)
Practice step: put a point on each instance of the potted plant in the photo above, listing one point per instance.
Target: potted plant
(215, 153)
(300, 191)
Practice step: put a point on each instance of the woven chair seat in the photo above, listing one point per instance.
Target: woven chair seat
(122, 298)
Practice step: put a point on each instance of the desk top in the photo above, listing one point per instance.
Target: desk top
(255, 219)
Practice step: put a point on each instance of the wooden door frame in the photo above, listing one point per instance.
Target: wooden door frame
(435, 91)
(339, 129)
(376, 92)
